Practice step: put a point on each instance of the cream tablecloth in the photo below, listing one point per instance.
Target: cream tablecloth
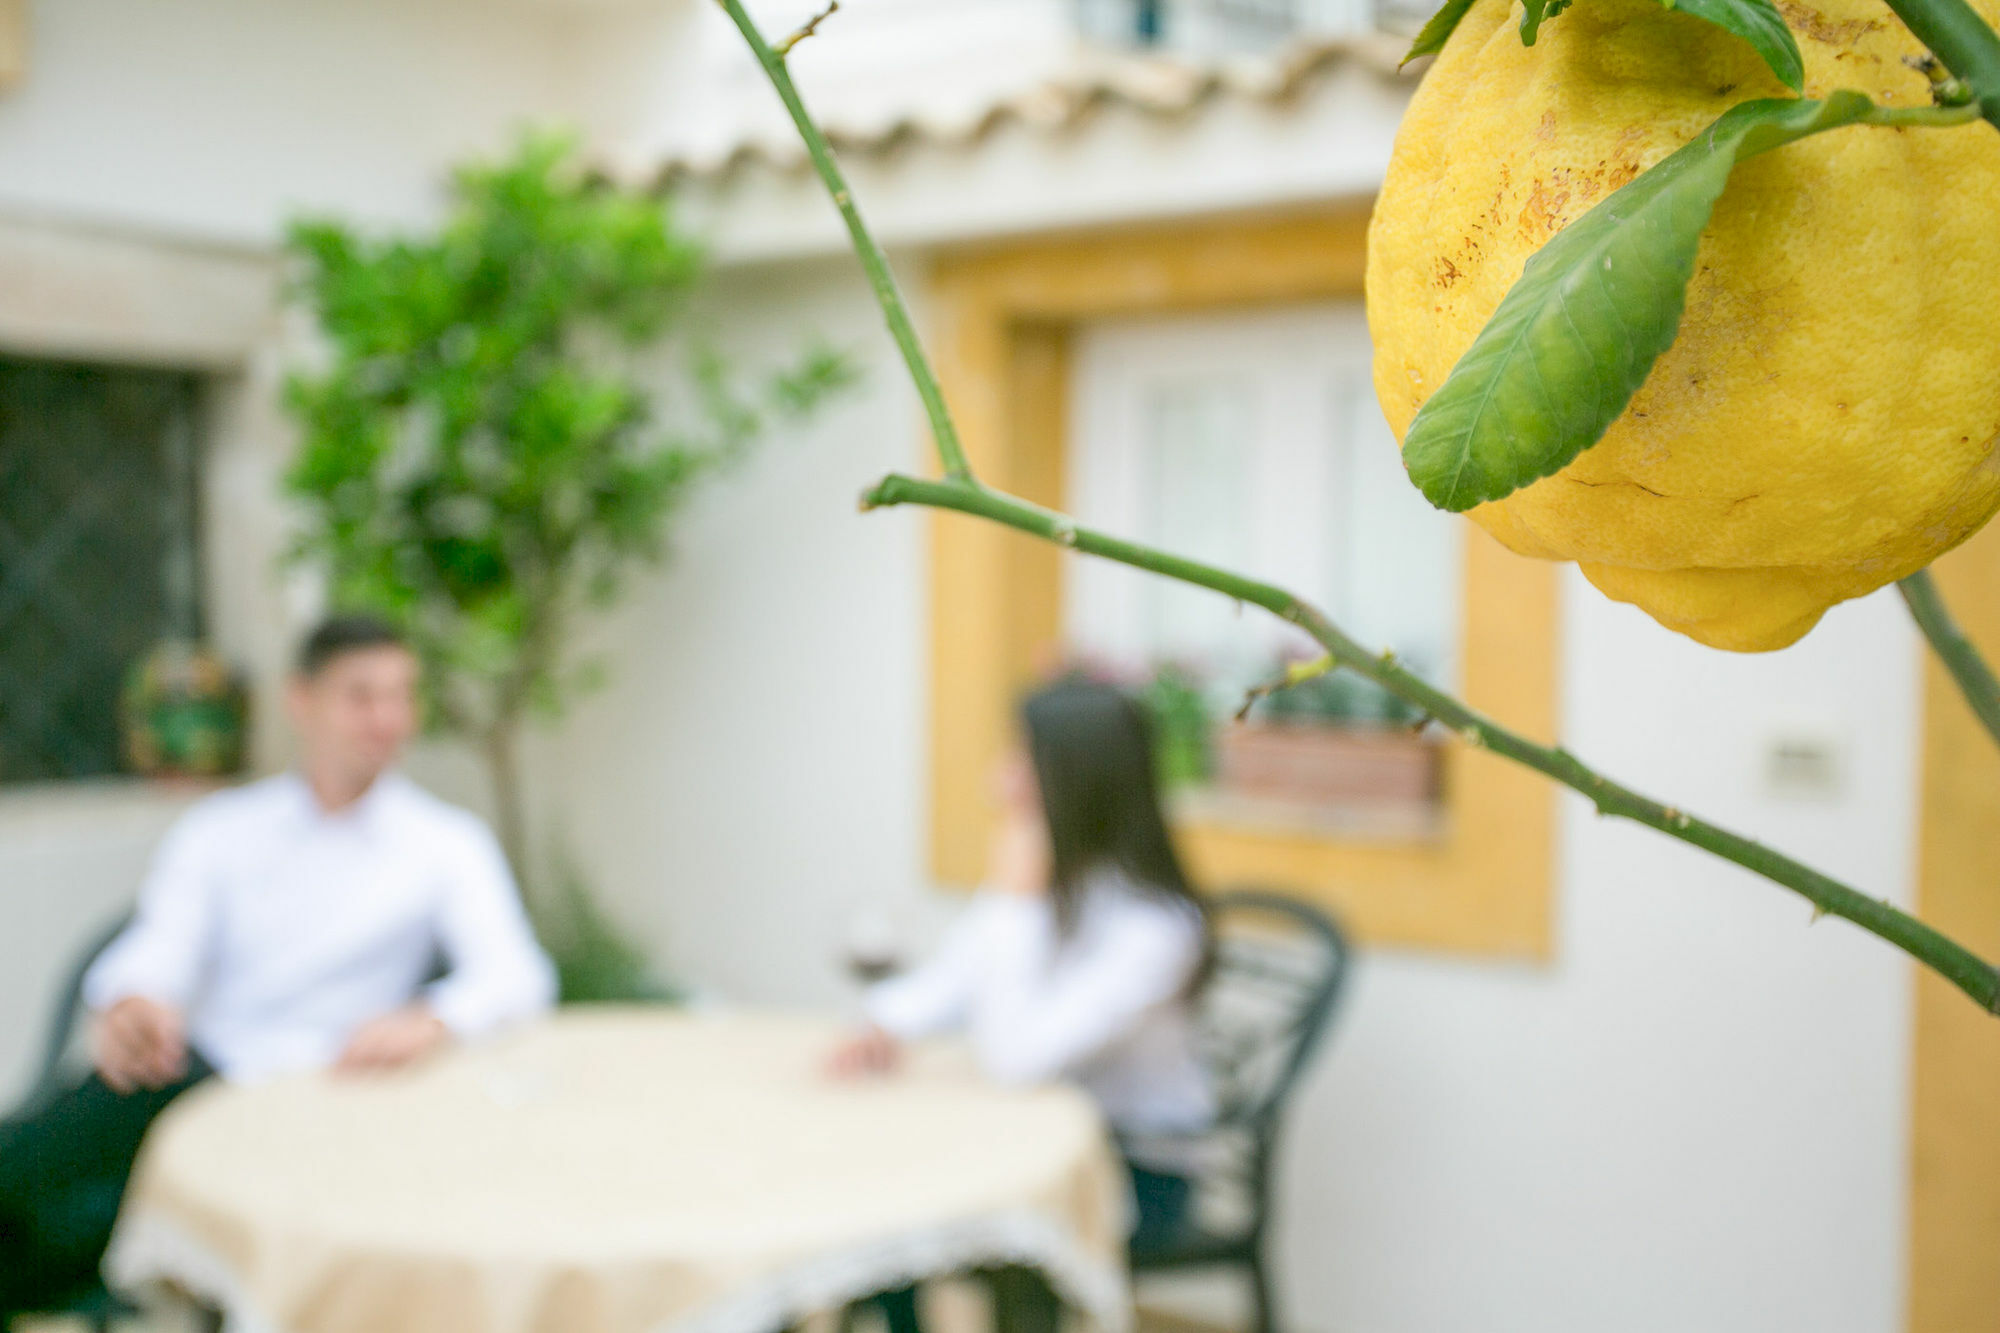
(617, 1172)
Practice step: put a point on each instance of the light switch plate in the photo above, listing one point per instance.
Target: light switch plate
(1804, 764)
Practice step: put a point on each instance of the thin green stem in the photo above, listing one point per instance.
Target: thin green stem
(1930, 117)
(873, 261)
(1964, 969)
(961, 491)
(1963, 42)
(1958, 653)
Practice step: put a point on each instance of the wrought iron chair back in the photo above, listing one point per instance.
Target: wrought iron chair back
(1270, 996)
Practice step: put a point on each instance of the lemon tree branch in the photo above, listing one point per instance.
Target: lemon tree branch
(873, 262)
(959, 490)
(1959, 965)
(1957, 652)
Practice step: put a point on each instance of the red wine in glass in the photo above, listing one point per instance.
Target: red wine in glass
(873, 944)
(870, 967)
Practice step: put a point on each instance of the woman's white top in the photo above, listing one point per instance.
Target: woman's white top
(1105, 1008)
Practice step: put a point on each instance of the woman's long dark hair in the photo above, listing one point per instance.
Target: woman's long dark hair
(1092, 747)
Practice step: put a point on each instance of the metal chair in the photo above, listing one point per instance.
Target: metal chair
(66, 1026)
(96, 1306)
(1278, 970)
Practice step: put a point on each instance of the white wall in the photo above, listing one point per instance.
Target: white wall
(1696, 1119)
(222, 117)
(753, 768)
(1692, 1120)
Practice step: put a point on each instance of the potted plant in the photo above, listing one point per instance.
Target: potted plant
(184, 713)
(1183, 727)
(1335, 739)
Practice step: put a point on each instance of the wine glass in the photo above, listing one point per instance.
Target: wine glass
(874, 944)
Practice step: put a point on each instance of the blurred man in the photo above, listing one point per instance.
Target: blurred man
(289, 925)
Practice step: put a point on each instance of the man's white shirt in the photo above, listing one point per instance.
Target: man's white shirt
(278, 929)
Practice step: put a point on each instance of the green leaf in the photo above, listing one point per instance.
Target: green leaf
(1534, 13)
(1755, 21)
(1758, 23)
(1575, 337)
(1432, 37)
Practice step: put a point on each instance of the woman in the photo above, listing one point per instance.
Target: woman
(1078, 960)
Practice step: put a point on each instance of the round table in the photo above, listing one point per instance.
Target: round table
(618, 1171)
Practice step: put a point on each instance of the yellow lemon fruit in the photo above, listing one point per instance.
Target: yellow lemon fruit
(1828, 418)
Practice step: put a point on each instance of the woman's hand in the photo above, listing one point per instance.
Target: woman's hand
(871, 1051)
(1020, 862)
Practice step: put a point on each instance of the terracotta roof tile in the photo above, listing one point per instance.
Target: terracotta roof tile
(1152, 85)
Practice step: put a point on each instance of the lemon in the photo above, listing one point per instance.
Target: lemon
(1828, 418)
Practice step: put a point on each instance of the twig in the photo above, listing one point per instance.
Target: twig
(1963, 44)
(806, 29)
(1958, 653)
(1298, 673)
(960, 491)
(1947, 89)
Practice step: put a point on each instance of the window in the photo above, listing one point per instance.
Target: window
(97, 552)
(1253, 441)
(1224, 27)
(1195, 26)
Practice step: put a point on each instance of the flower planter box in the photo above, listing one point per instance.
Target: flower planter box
(1326, 765)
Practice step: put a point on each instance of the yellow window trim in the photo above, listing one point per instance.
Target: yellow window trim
(1002, 322)
(1955, 1148)
(13, 42)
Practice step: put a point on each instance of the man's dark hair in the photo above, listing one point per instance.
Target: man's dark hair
(337, 636)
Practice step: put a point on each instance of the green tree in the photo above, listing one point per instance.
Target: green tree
(480, 458)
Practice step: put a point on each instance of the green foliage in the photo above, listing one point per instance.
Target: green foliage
(1758, 23)
(1185, 712)
(1575, 337)
(1183, 728)
(1755, 21)
(1534, 13)
(476, 460)
(595, 959)
(1437, 30)
(1338, 698)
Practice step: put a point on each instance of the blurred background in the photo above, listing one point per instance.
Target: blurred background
(1586, 1079)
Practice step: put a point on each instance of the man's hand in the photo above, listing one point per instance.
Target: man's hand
(394, 1040)
(140, 1043)
(869, 1051)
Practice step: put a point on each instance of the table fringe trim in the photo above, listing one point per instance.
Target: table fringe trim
(832, 1281)
(150, 1250)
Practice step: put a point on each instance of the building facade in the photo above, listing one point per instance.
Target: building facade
(1587, 1077)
